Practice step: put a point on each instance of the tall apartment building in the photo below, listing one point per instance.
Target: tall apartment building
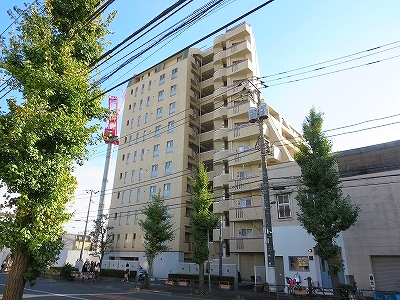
(194, 106)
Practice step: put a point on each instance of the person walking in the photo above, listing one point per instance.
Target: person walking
(126, 273)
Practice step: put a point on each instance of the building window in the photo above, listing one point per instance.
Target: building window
(140, 174)
(149, 88)
(298, 263)
(159, 113)
(179, 58)
(133, 176)
(142, 91)
(154, 171)
(167, 190)
(157, 132)
(134, 107)
(161, 95)
(128, 217)
(173, 90)
(130, 196)
(120, 219)
(137, 138)
(117, 242)
(132, 123)
(172, 108)
(162, 79)
(136, 91)
(168, 167)
(244, 174)
(153, 191)
(171, 126)
(142, 155)
(140, 104)
(123, 197)
(156, 150)
(170, 145)
(146, 118)
(244, 202)
(138, 120)
(138, 195)
(125, 176)
(134, 156)
(148, 101)
(128, 155)
(144, 135)
(133, 240)
(284, 208)
(243, 148)
(246, 232)
(174, 73)
(136, 216)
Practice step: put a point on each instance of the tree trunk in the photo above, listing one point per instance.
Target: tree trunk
(337, 292)
(14, 289)
(201, 275)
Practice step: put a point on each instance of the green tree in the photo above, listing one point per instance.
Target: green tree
(202, 219)
(157, 228)
(43, 134)
(101, 237)
(324, 211)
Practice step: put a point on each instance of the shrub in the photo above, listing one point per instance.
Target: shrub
(66, 270)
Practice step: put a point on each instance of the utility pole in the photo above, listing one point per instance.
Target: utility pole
(258, 115)
(87, 220)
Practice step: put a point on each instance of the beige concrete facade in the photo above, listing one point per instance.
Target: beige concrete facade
(191, 107)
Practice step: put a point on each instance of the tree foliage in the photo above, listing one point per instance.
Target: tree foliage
(101, 237)
(45, 132)
(324, 211)
(157, 228)
(202, 219)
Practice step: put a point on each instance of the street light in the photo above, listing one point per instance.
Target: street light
(258, 115)
(87, 220)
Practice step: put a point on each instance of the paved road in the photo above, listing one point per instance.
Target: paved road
(88, 290)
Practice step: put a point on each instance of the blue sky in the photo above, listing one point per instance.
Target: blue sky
(289, 35)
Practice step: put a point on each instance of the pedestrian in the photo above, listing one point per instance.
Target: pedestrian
(126, 273)
(96, 271)
(85, 269)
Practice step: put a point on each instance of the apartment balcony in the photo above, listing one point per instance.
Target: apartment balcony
(233, 89)
(220, 180)
(219, 39)
(241, 49)
(238, 109)
(239, 185)
(244, 157)
(226, 234)
(207, 68)
(207, 117)
(242, 68)
(221, 112)
(210, 175)
(247, 244)
(243, 132)
(207, 84)
(206, 136)
(206, 99)
(220, 73)
(239, 32)
(220, 134)
(219, 92)
(221, 156)
(206, 156)
(220, 207)
(220, 55)
(245, 213)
